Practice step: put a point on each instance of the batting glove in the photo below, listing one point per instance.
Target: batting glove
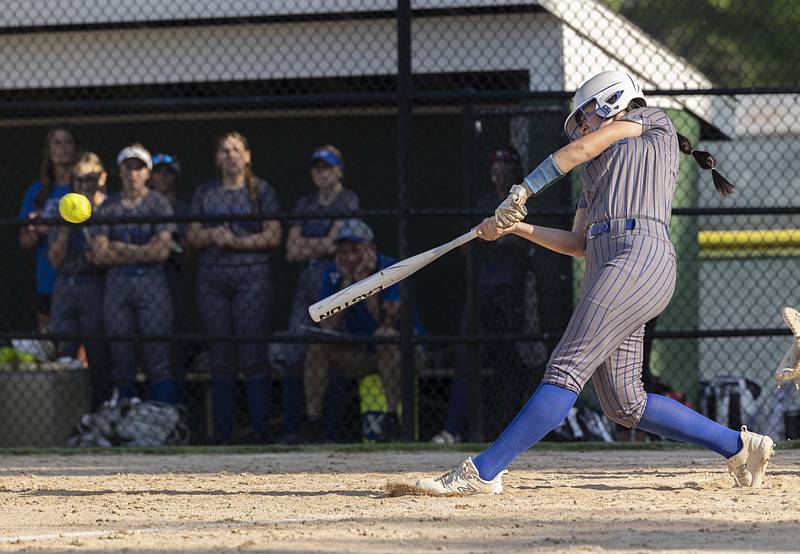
(513, 209)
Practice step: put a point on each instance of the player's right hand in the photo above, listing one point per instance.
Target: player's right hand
(512, 210)
(489, 230)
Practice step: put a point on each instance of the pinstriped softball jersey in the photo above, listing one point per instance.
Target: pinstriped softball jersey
(630, 273)
(643, 170)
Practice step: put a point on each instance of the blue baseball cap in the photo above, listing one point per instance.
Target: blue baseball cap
(328, 156)
(354, 230)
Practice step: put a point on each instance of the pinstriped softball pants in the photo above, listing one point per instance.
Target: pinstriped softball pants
(629, 279)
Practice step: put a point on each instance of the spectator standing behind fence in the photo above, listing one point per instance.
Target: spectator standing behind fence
(356, 257)
(311, 241)
(234, 283)
(78, 293)
(41, 202)
(164, 180)
(137, 298)
(502, 267)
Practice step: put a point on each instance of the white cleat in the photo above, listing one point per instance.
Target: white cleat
(792, 319)
(789, 366)
(786, 374)
(461, 481)
(749, 465)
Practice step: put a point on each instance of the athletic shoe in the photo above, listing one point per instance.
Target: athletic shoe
(446, 437)
(792, 319)
(463, 480)
(749, 465)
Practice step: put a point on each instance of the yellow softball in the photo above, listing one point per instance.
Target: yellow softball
(75, 207)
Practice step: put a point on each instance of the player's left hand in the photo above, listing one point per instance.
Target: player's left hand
(512, 210)
(489, 230)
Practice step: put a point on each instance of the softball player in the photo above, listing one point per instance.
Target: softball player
(312, 241)
(234, 285)
(80, 280)
(621, 228)
(136, 295)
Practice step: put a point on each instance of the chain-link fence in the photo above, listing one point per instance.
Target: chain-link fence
(246, 159)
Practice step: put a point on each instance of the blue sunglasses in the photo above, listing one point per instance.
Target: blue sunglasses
(163, 159)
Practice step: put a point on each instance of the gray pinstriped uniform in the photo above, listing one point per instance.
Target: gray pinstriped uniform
(630, 273)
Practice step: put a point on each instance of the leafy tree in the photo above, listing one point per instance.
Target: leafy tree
(735, 43)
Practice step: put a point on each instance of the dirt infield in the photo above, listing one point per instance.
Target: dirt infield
(596, 501)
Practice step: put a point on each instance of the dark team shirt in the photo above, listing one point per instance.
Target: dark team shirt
(77, 246)
(346, 201)
(212, 198)
(154, 204)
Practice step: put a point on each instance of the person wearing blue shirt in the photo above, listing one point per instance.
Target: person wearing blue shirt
(41, 202)
(356, 257)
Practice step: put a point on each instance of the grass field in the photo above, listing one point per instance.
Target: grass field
(559, 498)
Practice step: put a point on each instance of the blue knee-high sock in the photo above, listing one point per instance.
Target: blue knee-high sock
(336, 401)
(165, 391)
(259, 400)
(456, 407)
(544, 410)
(293, 405)
(223, 395)
(127, 390)
(671, 419)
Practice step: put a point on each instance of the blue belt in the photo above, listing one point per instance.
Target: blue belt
(605, 226)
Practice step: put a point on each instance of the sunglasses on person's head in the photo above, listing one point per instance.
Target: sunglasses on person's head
(163, 159)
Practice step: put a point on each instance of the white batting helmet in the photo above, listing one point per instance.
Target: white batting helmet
(609, 91)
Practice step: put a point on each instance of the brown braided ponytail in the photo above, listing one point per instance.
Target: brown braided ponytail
(706, 161)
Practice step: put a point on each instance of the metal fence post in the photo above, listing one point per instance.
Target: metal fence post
(404, 115)
(474, 388)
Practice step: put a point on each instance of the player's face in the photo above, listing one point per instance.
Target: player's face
(232, 156)
(62, 148)
(351, 254)
(134, 174)
(588, 120)
(325, 175)
(86, 179)
(163, 179)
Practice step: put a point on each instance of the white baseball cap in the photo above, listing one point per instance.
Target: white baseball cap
(135, 152)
